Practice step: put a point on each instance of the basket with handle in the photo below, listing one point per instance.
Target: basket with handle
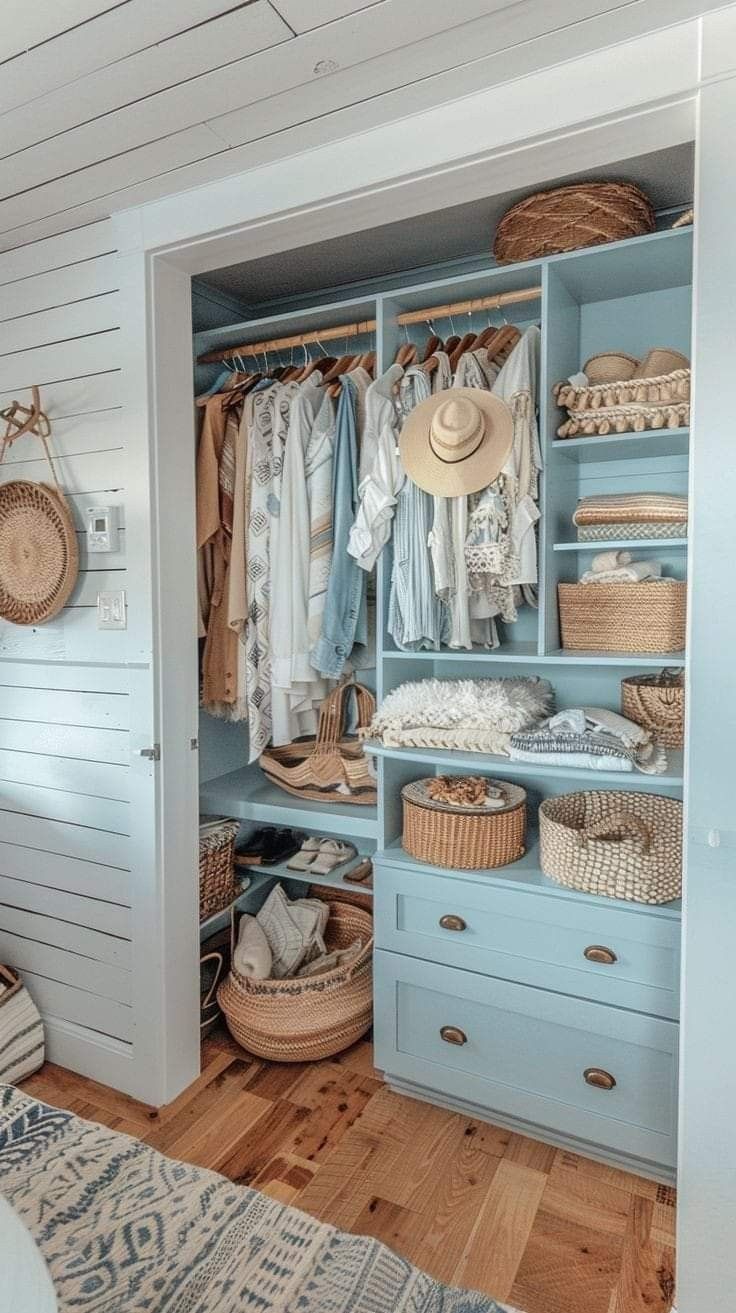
(617, 844)
(303, 1019)
(657, 703)
(332, 766)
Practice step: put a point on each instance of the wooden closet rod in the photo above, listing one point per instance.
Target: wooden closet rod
(369, 325)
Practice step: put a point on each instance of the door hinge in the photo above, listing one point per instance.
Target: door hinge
(151, 754)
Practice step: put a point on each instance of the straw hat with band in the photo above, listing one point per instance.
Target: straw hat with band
(457, 441)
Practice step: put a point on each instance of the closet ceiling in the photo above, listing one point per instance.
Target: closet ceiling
(106, 105)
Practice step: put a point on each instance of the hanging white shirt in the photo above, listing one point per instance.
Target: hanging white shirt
(380, 473)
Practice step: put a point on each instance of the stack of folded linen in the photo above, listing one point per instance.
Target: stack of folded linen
(591, 737)
(608, 516)
(620, 568)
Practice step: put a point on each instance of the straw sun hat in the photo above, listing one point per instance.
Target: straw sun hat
(457, 441)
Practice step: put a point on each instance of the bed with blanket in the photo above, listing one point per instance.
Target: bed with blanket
(124, 1229)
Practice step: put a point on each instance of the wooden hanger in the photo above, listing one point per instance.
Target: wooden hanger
(485, 338)
(463, 345)
(503, 344)
(434, 343)
(451, 343)
(406, 354)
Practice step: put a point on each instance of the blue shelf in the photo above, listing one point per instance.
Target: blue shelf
(631, 544)
(521, 652)
(249, 796)
(559, 657)
(499, 766)
(623, 446)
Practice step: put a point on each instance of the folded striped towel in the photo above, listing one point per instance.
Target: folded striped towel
(645, 507)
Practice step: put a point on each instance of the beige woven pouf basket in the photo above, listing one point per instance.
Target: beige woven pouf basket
(303, 1019)
(613, 843)
(39, 557)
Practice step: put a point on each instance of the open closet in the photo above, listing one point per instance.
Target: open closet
(500, 992)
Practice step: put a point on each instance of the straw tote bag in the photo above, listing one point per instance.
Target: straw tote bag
(39, 558)
(331, 766)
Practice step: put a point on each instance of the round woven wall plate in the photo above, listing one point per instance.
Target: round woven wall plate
(39, 558)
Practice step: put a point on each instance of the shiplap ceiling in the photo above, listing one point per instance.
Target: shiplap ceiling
(106, 105)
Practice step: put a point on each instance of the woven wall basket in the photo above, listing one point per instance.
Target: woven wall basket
(39, 558)
(467, 838)
(331, 767)
(305, 1019)
(657, 703)
(613, 843)
(639, 617)
(584, 214)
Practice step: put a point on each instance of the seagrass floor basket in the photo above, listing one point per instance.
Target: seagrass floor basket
(303, 1019)
(617, 844)
(464, 838)
(637, 617)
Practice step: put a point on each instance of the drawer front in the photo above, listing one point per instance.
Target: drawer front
(525, 1053)
(627, 958)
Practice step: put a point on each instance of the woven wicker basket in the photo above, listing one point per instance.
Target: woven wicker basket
(331, 767)
(610, 367)
(566, 218)
(217, 870)
(615, 844)
(638, 617)
(305, 1019)
(657, 703)
(465, 839)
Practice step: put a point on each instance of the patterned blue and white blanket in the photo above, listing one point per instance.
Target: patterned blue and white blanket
(125, 1230)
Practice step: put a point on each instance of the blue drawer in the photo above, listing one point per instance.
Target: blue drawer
(525, 1053)
(532, 936)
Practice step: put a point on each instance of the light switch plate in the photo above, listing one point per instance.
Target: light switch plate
(111, 609)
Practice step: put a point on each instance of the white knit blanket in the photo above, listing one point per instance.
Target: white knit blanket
(474, 715)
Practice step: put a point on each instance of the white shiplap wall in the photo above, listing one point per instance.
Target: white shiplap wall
(65, 884)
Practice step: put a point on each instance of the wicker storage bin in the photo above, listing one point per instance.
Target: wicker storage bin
(305, 1019)
(217, 869)
(639, 617)
(584, 214)
(615, 844)
(331, 767)
(657, 703)
(468, 838)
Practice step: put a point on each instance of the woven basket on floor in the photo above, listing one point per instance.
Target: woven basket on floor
(638, 617)
(331, 767)
(305, 1019)
(217, 869)
(613, 843)
(657, 703)
(584, 214)
(467, 838)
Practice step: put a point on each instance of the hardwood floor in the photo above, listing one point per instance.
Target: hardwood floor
(474, 1205)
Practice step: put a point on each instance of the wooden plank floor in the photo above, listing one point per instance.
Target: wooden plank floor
(540, 1228)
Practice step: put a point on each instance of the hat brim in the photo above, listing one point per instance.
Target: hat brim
(445, 478)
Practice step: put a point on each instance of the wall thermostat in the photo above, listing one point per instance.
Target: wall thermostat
(102, 529)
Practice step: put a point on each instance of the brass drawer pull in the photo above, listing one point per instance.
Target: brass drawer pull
(602, 1080)
(453, 923)
(599, 953)
(453, 1035)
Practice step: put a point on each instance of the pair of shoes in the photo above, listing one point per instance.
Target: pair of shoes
(320, 856)
(268, 846)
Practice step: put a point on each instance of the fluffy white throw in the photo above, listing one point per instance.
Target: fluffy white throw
(475, 715)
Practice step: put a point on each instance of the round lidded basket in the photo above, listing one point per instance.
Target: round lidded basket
(303, 1019)
(464, 838)
(657, 703)
(610, 367)
(566, 218)
(612, 843)
(39, 557)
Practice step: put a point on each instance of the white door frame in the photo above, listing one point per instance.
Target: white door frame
(631, 99)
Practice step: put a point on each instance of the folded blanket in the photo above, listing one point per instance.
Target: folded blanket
(477, 715)
(596, 733)
(578, 760)
(612, 508)
(610, 561)
(634, 573)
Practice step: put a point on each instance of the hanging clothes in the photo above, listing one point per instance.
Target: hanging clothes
(380, 471)
(219, 448)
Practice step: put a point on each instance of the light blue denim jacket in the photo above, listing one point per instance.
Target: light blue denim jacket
(345, 619)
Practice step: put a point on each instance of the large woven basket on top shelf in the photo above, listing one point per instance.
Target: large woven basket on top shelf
(657, 702)
(466, 838)
(637, 617)
(331, 767)
(305, 1019)
(613, 843)
(584, 214)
